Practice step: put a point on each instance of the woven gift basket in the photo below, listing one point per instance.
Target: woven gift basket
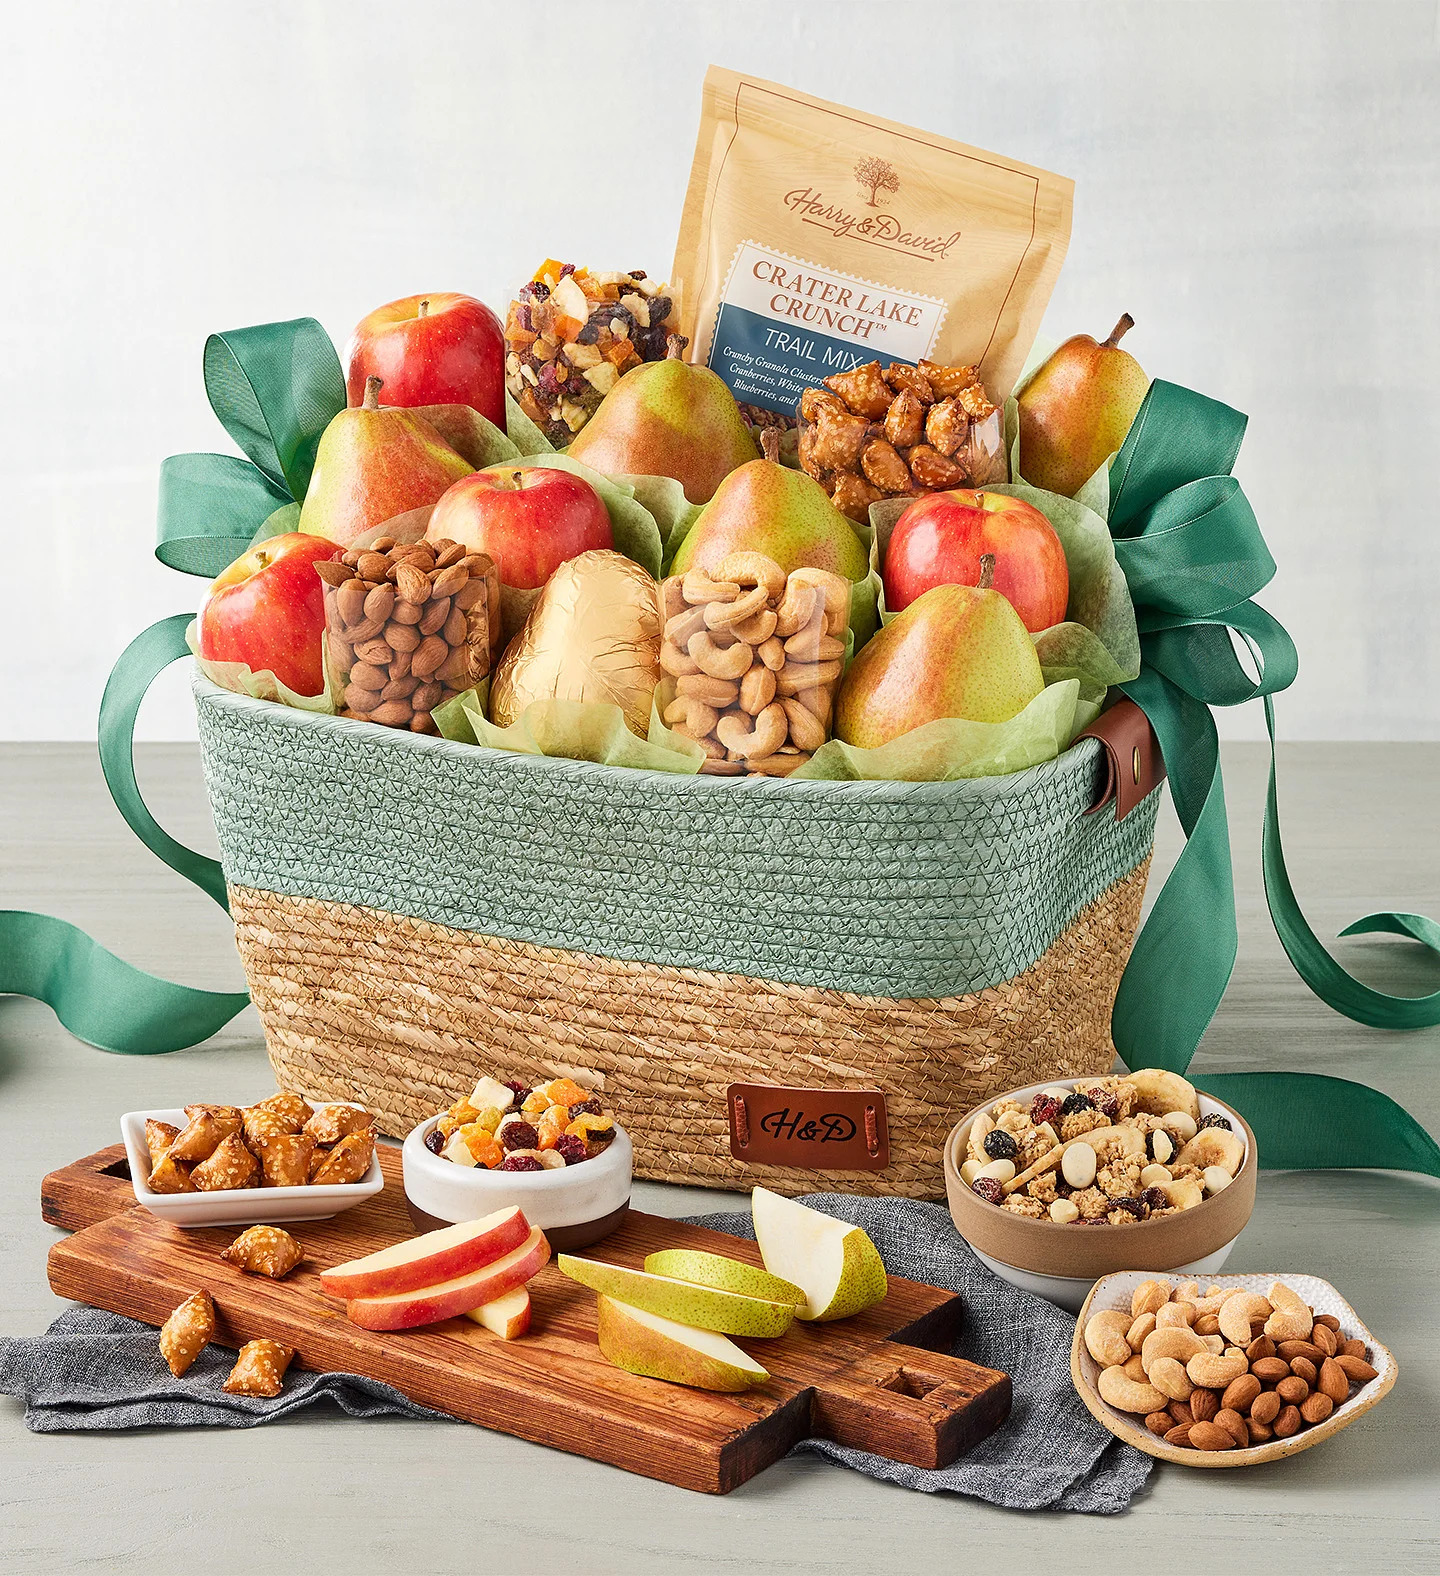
(412, 912)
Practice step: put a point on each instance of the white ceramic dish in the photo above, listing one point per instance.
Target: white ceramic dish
(1114, 1291)
(574, 1206)
(1114, 1242)
(243, 1206)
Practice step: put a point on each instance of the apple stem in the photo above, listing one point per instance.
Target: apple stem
(675, 346)
(373, 386)
(987, 571)
(1120, 330)
(770, 444)
(424, 308)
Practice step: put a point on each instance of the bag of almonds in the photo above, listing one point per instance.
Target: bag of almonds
(408, 626)
(753, 658)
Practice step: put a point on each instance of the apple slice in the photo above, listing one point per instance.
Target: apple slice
(508, 1316)
(644, 1343)
(714, 1269)
(426, 1260)
(429, 1304)
(834, 1262)
(682, 1301)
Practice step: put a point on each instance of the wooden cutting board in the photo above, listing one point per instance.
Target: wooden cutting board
(873, 1381)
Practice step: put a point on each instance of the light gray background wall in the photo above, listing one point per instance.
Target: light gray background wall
(1256, 183)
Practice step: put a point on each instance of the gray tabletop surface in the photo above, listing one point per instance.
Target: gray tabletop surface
(395, 1496)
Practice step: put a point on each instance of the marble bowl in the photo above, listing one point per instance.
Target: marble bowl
(1062, 1263)
(573, 1206)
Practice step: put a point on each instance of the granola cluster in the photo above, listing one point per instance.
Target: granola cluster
(1107, 1151)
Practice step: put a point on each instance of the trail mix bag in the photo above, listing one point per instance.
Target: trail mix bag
(816, 239)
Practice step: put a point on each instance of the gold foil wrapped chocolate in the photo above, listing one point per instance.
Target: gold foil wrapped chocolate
(593, 634)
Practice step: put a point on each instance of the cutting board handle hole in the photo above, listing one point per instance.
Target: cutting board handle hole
(906, 1381)
(120, 1168)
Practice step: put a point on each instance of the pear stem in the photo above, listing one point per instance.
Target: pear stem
(1120, 330)
(987, 571)
(423, 310)
(373, 386)
(675, 346)
(770, 444)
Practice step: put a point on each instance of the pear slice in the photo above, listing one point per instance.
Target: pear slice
(645, 1343)
(681, 1301)
(833, 1262)
(714, 1269)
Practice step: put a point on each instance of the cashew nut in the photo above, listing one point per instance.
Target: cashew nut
(1214, 1343)
(1175, 1315)
(835, 592)
(1168, 1375)
(714, 692)
(1134, 1369)
(699, 587)
(772, 653)
(756, 630)
(1206, 1324)
(797, 608)
(1292, 1319)
(680, 628)
(1149, 1297)
(692, 716)
(676, 663)
(807, 732)
(811, 644)
(672, 597)
(1216, 1372)
(757, 689)
(1174, 1342)
(1105, 1337)
(720, 662)
(752, 569)
(1137, 1332)
(1238, 1313)
(1116, 1387)
(1187, 1291)
(722, 615)
(763, 739)
(797, 676)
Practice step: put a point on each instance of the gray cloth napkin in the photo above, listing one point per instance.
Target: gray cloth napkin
(94, 1370)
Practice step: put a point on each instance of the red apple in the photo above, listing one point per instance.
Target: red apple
(268, 610)
(429, 1259)
(429, 1304)
(508, 1316)
(530, 520)
(439, 349)
(940, 537)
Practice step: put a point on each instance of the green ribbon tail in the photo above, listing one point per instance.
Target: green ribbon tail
(1308, 1122)
(1334, 985)
(100, 998)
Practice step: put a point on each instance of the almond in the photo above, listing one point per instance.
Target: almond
(449, 580)
(1292, 1349)
(1210, 1436)
(1261, 1346)
(393, 714)
(1179, 1435)
(1357, 1369)
(1270, 1370)
(431, 653)
(1334, 1381)
(1241, 1393)
(1354, 1349)
(402, 637)
(407, 612)
(1304, 1369)
(1325, 1338)
(379, 601)
(372, 566)
(1294, 1390)
(332, 571)
(350, 601)
(1234, 1425)
(1265, 1408)
(1288, 1422)
(1160, 1423)
(1328, 1321)
(1317, 1408)
(1204, 1404)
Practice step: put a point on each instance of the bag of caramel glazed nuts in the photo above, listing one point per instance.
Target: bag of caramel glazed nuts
(816, 239)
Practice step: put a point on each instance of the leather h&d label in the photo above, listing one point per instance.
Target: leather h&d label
(818, 1129)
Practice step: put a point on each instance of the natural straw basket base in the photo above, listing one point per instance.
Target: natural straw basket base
(403, 1014)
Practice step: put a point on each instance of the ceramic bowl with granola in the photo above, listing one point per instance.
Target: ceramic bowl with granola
(1062, 1182)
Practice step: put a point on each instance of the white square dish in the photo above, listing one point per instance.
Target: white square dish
(246, 1206)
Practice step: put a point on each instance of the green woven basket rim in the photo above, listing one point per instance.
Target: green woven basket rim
(1079, 757)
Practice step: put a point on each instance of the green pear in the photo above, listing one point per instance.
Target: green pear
(714, 1269)
(685, 1303)
(956, 651)
(765, 507)
(833, 1262)
(668, 418)
(645, 1343)
(375, 462)
(1076, 410)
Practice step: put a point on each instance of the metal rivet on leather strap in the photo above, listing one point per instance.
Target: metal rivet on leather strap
(1135, 765)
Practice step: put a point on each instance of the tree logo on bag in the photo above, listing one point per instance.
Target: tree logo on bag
(874, 175)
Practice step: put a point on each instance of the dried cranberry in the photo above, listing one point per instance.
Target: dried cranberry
(521, 1091)
(637, 273)
(523, 318)
(1044, 1108)
(518, 1135)
(1215, 1120)
(1153, 1198)
(999, 1145)
(1105, 1103)
(538, 289)
(1099, 1220)
(520, 1163)
(590, 1107)
(1133, 1205)
(566, 269)
(988, 1188)
(549, 379)
(571, 1149)
(434, 1140)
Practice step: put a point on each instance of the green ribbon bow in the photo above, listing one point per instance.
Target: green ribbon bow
(1193, 555)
